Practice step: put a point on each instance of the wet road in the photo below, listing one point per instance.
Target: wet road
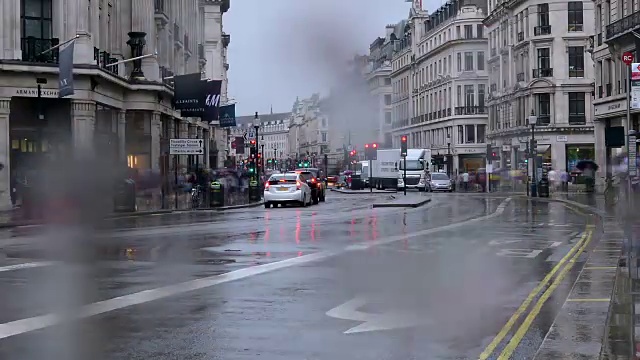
(334, 281)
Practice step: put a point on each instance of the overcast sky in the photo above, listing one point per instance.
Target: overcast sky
(281, 49)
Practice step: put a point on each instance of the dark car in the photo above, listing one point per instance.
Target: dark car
(315, 183)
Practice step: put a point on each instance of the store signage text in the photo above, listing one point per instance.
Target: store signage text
(617, 106)
(34, 92)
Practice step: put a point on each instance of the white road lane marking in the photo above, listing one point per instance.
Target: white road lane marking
(30, 265)
(18, 327)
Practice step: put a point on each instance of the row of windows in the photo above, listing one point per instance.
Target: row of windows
(543, 67)
(503, 115)
(466, 134)
(515, 31)
(464, 32)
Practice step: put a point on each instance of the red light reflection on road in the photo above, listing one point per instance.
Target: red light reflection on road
(252, 237)
(352, 231)
(268, 253)
(373, 224)
(298, 227)
(313, 227)
(299, 253)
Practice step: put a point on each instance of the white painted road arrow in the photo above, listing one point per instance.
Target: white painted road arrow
(373, 322)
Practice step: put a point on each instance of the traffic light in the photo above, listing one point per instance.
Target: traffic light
(371, 151)
(253, 151)
(403, 145)
(489, 152)
(259, 155)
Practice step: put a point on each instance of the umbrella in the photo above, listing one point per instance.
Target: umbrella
(587, 164)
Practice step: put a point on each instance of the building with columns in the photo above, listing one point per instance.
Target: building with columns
(121, 118)
(440, 83)
(273, 132)
(378, 76)
(539, 61)
(614, 25)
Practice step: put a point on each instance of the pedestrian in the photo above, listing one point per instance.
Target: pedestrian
(465, 180)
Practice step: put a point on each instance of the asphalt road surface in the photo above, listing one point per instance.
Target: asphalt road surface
(338, 280)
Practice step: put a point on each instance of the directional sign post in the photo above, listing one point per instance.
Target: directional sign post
(186, 146)
(249, 135)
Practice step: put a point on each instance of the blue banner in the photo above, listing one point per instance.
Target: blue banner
(228, 115)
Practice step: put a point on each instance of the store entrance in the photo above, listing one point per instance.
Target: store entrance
(37, 137)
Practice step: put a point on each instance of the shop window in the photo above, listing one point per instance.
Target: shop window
(576, 153)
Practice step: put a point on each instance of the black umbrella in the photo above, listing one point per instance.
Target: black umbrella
(587, 164)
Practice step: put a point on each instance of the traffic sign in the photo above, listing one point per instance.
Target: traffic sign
(186, 146)
(249, 135)
(627, 58)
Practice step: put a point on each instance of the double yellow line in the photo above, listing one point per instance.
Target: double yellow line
(563, 267)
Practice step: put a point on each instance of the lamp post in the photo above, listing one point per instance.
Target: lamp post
(256, 127)
(448, 154)
(533, 119)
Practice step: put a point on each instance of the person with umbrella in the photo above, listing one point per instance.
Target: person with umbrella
(588, 168)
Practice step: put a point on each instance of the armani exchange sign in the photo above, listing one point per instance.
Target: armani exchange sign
(195, 97)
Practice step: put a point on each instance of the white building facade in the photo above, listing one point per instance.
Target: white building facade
(130, 120)
(539, 62)
(308, 134)
(441, 84)
(273, 137)
(378, 76)
(614, 25)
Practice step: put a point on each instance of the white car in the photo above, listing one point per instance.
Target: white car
(286, 189)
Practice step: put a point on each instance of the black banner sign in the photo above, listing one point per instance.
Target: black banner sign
(228, 116)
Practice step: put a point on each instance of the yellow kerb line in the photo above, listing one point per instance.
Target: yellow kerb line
(526, 323)
(525, 304)
(589, 300)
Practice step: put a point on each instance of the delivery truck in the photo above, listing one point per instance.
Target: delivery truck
(383, 173)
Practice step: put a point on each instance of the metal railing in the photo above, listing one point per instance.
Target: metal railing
(470, 110)
(540, 73)
(630, 22)
(542, 30)
(32, 49)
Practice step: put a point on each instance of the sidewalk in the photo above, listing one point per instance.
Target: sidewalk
(13, 218)
(596, 322)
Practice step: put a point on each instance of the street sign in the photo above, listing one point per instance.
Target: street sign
(627, 58)
(633, 168)
(186, 146)
(249, 135)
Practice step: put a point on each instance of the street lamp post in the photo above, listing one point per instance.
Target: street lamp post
(256, 127)
(448, 154)
(533, 119)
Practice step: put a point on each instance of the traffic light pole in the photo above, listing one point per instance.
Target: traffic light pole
(370, 176)
(404, 176)
(256, 161)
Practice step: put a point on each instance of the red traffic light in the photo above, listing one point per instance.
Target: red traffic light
(374, 145)
(403, 139)
(253, 142)
(366, 146)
